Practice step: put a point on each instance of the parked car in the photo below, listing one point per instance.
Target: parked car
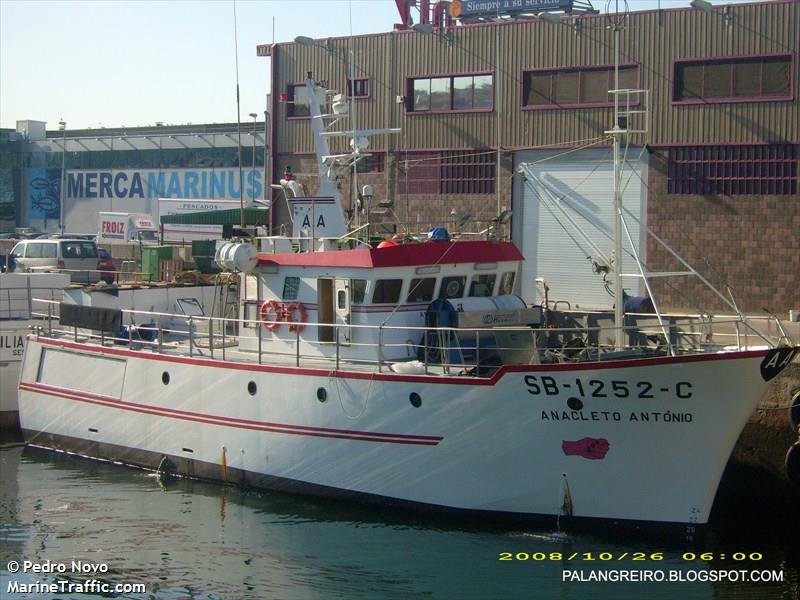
(106, 263)
(78, 257)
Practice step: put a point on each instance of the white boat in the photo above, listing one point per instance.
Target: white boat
(16, 320)
(407, 374)
(19, 314)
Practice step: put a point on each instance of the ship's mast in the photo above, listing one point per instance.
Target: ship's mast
(616, 131)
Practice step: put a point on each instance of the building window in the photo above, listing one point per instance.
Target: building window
(297, 104)
(566, 88)
(371, 163)
(756, 78)
(467, 173)
(473, 92)
(733, 170)
(452, 172)
(358, 87)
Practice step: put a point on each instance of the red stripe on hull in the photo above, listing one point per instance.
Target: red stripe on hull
(108, 401)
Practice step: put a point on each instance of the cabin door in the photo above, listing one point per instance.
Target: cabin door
(342, 309)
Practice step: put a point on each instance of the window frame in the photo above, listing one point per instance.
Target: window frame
(476, 279)
(367, 86)
(523, 86)
(676, 100)
(381, 281)
(445, 283)
(409, 87)
(293, 287)
(768, 170)
(415, 284)
(289, 103)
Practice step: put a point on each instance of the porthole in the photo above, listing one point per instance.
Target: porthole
(322, 394)
(415, 399)
(252, 388)
(574, 403)
(165, 378)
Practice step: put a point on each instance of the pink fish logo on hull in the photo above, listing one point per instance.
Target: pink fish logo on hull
(591, 448)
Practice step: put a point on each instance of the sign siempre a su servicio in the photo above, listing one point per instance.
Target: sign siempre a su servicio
(474, 8)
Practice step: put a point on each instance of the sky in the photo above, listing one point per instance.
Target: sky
(129, 63)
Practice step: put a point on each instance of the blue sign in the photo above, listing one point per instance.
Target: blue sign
(44, 193)
(473, 8)
(166, 183)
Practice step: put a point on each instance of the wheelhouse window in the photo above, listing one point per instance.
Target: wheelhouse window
(758, 78)
(482, 285)
(251, 320)
(297, 101)
(453, 287)
(358, 289)
(469, 92)
(358, 87)
(421, 290)
(762, 170)
(506, 283)
(291, 285)
(387, 291)
(568, 88)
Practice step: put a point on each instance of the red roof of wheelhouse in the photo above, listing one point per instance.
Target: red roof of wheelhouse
(404, 255)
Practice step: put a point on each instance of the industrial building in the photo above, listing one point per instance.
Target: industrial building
(714, 171)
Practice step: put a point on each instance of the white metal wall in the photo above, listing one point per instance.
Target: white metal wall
(583, 181)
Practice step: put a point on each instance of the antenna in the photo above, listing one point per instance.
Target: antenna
(238, 119)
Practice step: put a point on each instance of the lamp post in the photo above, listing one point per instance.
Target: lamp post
(253, 173)
(62, 125)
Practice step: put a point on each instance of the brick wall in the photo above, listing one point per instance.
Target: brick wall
(748, 242)
(418, 212)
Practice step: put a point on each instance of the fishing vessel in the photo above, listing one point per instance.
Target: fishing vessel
(16, 319)
(410, 374)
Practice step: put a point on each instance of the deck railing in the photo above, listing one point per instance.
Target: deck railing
(436, 350)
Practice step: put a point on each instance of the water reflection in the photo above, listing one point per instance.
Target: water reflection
(188, 539)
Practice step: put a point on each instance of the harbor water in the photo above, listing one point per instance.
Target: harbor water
(69, 521)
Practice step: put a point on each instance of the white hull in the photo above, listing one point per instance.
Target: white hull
(653, 449)
(13, 337)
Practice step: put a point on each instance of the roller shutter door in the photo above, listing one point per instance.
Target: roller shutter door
(584, 182)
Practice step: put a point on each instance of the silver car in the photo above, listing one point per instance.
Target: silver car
(78, 257)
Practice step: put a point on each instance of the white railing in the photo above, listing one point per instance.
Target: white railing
(437, 350)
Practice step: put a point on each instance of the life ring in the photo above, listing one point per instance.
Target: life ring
(296, 325)
(269, 323)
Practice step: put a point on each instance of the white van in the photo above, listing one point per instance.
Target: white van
(78, 257)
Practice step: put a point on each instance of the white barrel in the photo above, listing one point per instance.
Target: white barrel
(236, 256)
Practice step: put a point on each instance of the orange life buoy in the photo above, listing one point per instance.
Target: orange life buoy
(299, 324)
(272, 324)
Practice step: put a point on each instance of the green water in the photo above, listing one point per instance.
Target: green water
(185, 539)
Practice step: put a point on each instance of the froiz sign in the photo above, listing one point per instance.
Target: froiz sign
(474, 8)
